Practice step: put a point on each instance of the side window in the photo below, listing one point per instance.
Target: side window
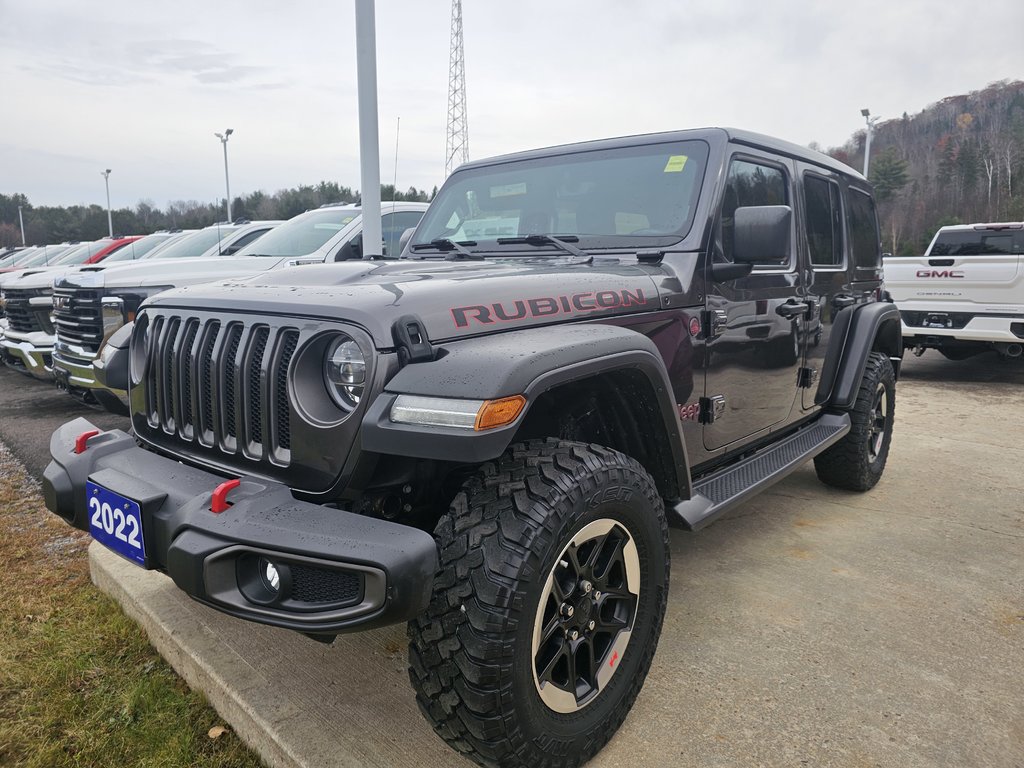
(244, 240)
(862, 224)
(748, 183)
(824, 221)
(394, 224)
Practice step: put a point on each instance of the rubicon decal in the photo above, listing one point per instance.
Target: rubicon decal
(546, 306)
(940, 273)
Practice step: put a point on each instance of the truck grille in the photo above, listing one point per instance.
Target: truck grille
(221, 383)
(78, 317)
(20, 316)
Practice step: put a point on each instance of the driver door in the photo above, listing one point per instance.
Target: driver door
(754, 339)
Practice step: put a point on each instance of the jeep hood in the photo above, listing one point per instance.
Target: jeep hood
(173, 272)
(453, 299)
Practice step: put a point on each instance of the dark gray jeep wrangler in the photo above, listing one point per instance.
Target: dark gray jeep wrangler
(489, 437)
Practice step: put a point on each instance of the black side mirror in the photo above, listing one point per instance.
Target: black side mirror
(353, 249)
(404, 239)
(761, 234)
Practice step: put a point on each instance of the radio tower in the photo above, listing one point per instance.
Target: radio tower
(456, 149)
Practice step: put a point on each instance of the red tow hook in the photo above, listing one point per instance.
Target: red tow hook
(220, 503)
(83, 438)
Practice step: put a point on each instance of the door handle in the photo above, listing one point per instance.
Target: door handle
(792, 309)
(843, 301)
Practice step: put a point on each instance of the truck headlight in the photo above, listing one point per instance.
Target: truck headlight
(345, 372)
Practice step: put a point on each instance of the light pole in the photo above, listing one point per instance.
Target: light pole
(110, 220)
(22, 222)
(227, 184)
(870, 121)
(369, 136)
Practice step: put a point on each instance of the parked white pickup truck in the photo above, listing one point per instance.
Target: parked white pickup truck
(966, 294)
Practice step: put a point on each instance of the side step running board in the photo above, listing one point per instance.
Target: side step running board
(716, 493)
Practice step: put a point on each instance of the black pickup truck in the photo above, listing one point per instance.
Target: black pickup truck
(488, 437)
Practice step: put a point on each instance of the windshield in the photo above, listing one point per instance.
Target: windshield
(139, 248)
(978, 242)
(47, 255)
(19, 256)
(303, 234)
(195, 244)
(608, 198)
(78, 254)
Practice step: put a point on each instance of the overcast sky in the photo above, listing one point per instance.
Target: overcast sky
(140, 87)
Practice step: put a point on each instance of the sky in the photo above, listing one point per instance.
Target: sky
(141, 87)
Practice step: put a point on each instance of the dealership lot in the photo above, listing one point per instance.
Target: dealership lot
(810, 627)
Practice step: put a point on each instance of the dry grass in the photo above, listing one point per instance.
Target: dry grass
(79, 683)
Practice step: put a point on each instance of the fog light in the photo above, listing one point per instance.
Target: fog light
(263, 581)
(270, 576)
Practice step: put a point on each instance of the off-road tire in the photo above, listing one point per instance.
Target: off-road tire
(856, 462)
(471, 656)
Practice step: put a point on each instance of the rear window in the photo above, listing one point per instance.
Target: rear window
(863, 225)
(978, 242)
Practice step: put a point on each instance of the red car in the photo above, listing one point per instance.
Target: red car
(105, 248)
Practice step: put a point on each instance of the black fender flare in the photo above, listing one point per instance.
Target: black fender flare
(528, 362)
(856, 332)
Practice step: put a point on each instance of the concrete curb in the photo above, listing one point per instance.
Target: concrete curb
(295, 701)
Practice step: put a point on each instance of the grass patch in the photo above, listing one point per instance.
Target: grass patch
(79, 683)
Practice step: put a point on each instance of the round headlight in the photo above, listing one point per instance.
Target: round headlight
(139, 349)
(345, 372)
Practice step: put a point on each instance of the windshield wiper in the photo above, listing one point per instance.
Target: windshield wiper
(446, 244)
(564, 242)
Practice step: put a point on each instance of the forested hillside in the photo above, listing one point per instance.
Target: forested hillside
(956, 162)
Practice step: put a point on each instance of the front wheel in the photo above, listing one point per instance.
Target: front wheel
(547, 608)
(856, 462)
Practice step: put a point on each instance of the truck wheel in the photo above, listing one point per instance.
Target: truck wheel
(547, 606)
(856, 462)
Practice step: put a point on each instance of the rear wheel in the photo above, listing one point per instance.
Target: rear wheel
(856, 462)
(547, 608)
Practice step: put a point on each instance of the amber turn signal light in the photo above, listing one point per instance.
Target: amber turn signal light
(498, 413)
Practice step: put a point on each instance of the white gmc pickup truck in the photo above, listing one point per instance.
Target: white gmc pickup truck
(966, 294)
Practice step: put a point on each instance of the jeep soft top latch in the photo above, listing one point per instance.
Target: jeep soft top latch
(411, 340)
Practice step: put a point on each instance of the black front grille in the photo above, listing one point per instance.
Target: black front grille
(21, 317)
(222, 385)
(78, 317)
(319, 585)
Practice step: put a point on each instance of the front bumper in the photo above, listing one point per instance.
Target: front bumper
(346, 572)
(31, 353)
(76, 374)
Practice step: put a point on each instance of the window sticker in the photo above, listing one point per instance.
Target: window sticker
(675, 164)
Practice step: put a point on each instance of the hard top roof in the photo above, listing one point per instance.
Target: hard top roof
(712, 135)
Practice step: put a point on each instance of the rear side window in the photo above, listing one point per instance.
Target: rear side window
(979, 242)
(863, 227)
(749, 183)
(824, 221)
